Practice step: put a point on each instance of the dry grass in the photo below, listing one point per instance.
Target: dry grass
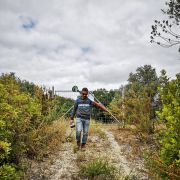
(94, 126)
(57, 133)
(126, 137)
(46, 139)
(81, 158)
(99, 168)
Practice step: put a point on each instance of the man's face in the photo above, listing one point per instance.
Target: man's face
(84, 94)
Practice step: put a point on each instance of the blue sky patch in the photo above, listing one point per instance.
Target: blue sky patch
(86, 49)
(27, 22)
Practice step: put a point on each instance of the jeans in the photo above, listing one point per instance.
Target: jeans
(82, 124)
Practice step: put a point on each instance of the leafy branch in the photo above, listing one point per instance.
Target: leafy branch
(165, 33)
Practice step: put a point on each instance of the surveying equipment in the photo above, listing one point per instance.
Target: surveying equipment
(75, 89)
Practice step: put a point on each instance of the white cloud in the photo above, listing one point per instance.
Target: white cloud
(88, 43)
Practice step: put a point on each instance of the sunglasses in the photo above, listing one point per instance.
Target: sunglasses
(84, 94)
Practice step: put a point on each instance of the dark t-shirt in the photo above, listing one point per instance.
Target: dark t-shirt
(82, 108)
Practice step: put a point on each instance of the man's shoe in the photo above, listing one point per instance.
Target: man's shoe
(83, 146)
(78, 145)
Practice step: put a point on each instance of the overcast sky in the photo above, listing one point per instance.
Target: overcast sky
(88, 43)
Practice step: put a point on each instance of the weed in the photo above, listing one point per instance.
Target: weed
(45, 138)
(81, 157)
(94, 125)
(100, 133)
(99, 169)
(75, 148)
(131, 177)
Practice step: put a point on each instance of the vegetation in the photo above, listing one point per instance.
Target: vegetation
(152, 104)
(165, 33)
(99, 169)
(105, 97)
(26, 124)
(166, 161)
(28, 129)
(138, 104)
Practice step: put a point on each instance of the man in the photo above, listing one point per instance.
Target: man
(82, 109)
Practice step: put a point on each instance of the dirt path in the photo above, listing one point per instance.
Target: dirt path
(122, 153)
(65, 164)
(116, 152)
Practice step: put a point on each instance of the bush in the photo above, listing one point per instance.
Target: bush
(165, 161)
(99, 169)
(134, 109)
(4, 150)
(8, 172)
(26, 125)
(45, 138)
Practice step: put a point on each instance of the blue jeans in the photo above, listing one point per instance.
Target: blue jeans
(82, 124)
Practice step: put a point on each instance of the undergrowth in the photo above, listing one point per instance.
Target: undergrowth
(99, 169)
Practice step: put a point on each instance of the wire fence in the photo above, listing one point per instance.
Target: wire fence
(97, 114)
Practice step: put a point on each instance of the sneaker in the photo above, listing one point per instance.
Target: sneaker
(78, 145)
(83, 146)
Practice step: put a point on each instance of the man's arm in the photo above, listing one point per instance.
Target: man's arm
(74, 110)
(99, 106)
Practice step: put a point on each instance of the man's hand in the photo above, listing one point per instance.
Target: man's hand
(72, 125)
(71, 121)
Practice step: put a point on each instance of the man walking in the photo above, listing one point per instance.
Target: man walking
(82, 109)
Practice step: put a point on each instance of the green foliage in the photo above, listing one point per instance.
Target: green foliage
(144, 75)
(145, 79)
(26, 128)
(27, 87)
(158, 169)
(4, 150)
(59, 106)
(131, 177)
(99, 169)
(164, 162)
(105, 97)
(163, 79)
(8, 172)
(144, 83)
(134, 109)
(137, 104)
(170, 113)
(62, 105)
(19, 114)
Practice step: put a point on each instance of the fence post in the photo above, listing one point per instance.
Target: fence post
(52, 91)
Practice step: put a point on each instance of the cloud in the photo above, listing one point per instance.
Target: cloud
(27, 22)
(75, 42)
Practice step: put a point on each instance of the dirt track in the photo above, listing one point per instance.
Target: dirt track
(66, 163)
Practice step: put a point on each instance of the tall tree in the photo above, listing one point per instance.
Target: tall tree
(144, 83)
(166, 32)
(145, 78)
(164, 161)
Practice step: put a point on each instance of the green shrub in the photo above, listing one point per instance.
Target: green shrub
(164, 162)
(25, 130)
(4, 150)
(170, 113)
(131, 177)
(8, 172)
(99, 169)
(134, 108)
